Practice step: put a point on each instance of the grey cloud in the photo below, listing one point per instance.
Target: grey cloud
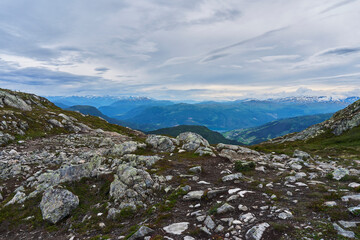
(337, 5)
(213, 57)
(102, 69)
(341, 51)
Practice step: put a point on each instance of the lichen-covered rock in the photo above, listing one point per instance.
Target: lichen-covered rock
(205, 151)
(57, 204)
(19, 197)
(256, 232)
(8, 99)
(161, 143)
(301, 154)
(192, 141)
(5, 138)
(131, 185)
(339, 173)
(68, 173)
(125, 148)
(142, 232)
(236, 153)
(139, 160)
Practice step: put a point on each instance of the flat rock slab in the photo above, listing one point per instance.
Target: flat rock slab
(194, 195)
(177, 228)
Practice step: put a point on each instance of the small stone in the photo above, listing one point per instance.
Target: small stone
(330, 204)
(247, 218)
(142, 232)
(102, 225)
(196, 169)
(234, 190)
(225, 208)
(209, 223)
(188, 238)
(285, 215)
(242, 208)
(220, 228)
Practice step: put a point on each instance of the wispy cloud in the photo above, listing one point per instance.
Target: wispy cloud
(148, 47)
(337, 5)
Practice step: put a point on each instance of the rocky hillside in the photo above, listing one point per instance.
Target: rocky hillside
(27, 116)
(337, 137)
(339, 123)
(106, 182)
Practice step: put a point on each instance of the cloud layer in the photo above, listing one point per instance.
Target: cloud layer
(206, 49)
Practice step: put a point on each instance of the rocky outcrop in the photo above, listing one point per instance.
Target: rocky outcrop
(238, 153)
(161, 143)
(124, 148)
(339, 123)
(56, 204)
(13, 100)
(192, 141)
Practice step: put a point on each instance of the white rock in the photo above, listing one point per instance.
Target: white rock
(177, 228)
(194, 195)
(234, 190)
(247, 218)
(354, 185)
(242, 208)
(256, 232)
(342, 232)
(285, 215)
(355, 197)
(330, 204)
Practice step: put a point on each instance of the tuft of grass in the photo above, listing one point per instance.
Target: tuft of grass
(241, 166)
(214, 208)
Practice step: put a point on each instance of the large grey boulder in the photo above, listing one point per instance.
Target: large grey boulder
(132, 186)
(56, 204)
(192, 141)
(161, 143)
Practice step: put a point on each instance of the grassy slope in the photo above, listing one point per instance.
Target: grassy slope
(211, 136)
(275, 129)
(346, 145)
(37, 119)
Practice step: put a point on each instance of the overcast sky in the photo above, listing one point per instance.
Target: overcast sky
(181, 49)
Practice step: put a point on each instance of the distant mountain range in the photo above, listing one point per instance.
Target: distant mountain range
(123, 106)
(212, 136)
(95, 101)
(275, 129)
(149, 114)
